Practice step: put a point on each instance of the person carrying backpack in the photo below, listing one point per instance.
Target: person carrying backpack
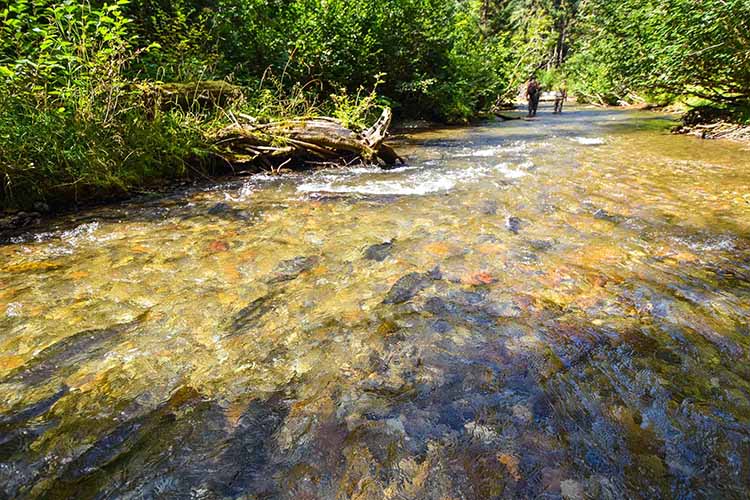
(533, 93)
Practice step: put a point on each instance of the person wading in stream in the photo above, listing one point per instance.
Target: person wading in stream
(561, 95)
(533, 93)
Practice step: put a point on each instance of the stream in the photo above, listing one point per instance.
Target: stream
(548, 309)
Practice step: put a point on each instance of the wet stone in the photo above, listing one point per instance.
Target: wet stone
(441, 326)
(17, 441)
(474, 315)
(408, 286)
(379, 252)
(488, 238)
(219, 209)
(551, 479)
(596, 461)
(32, 411)
(41, 207)
(105, 450)
(227, 211)
(513, 224)
(22, 219)
(541, 245)
(505, 310)
(63, 356)
(122, 441)
(571, 490)
(602, 214)
(249, 451)
(525, 257)
(249, 316)
(488, 207)
(290, 269)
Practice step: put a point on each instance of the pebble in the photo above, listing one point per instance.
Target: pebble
(513, 224)
(571, 490)
(379, 252)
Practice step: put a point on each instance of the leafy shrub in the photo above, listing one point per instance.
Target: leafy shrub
(71, 123)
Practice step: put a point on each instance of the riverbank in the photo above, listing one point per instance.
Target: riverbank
(709, 122)
(149, 135)
(720, 130)
(705, 122)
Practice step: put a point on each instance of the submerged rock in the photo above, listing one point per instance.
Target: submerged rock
(251, 314)
(571, 490)
(454, 309)
(65, 355)
(125, 437)
(32, 411)
(408, 286)
(226, 211)
(105, 450)
(290, 269)
(379, 252)
(513, 224)
(218, 246)
(602, 214)
(541, 245)
(19, 429)
(219, 208)
(488, 207)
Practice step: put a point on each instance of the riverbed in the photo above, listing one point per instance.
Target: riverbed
(554, 308)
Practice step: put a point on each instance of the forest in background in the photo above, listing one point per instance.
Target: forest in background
(82, 103)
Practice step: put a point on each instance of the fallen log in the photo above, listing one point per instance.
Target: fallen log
(304, 140)
(190, 96)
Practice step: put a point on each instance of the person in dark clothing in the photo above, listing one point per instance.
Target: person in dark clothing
(533, 93)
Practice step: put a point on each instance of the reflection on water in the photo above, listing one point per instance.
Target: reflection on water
(542, 310)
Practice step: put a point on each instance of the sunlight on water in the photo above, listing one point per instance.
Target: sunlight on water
(514, 314)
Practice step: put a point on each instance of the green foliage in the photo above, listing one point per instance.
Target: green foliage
(74, 115)
(184, 37)
(433, 56)
(71, 123)
(354, 110)
(56, 155)
(668, 48)
(272, 99)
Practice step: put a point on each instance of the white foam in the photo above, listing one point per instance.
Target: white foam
(408, 181)
(484, 153)
(516, 148)
(13, 310)
(589, 141)
(405, 187)
(376, 169)
(362, 170)
(248, 188)
(510, 173)
(245, 192)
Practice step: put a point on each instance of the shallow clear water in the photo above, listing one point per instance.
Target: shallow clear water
(539, 309)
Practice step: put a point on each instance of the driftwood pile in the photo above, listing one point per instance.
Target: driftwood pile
(718, 130)
(301, 141)
(713, 123)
